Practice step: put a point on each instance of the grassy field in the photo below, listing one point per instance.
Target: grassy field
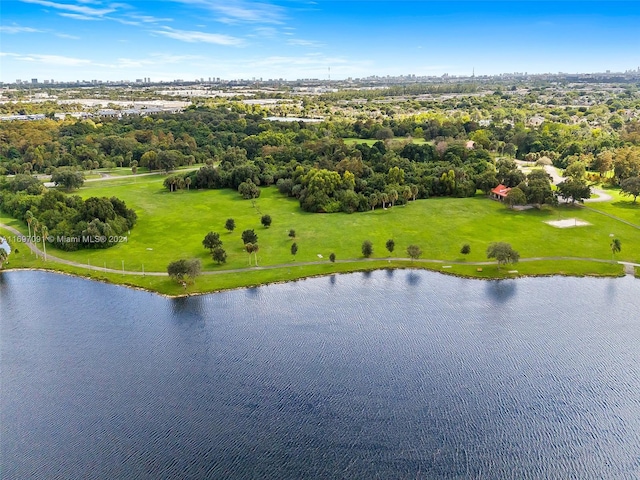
(172, 226)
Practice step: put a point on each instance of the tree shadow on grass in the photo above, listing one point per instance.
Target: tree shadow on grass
(626, 204)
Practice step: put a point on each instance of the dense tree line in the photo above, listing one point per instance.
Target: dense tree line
(71, 222)
(310, 162)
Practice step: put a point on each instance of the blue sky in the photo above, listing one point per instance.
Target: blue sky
(189, 39)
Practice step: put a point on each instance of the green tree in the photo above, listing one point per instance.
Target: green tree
(390, 245)
(150, 159)
(180, 269)
(395, 176)
(3, 256)
(414, 251)
(631, 187)
(294, 249)
(249, 248)
(539, 189)
(29, 218)
(616, 246)
(414, 191)
(45, 233)
(256, 247)
(266, 221)
(332, 257)
(574, 190)
(230, 224)
(384, 198)
(367, 248)
(211, 241)
(393, 196)
(515, 197)
(248, 189)
(503, 253)
(577, 170)
(249, 236)
(405, 193)
(292, 233)
(373, 200)
(68, 179)
(219, 255)
(466, 249)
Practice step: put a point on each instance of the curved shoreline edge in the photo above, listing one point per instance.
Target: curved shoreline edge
(427, 265)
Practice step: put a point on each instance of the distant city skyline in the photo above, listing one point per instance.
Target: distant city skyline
(165, 40)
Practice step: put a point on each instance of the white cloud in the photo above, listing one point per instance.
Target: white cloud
(78, 9)
(150, 19)
(77, 16)
(17, 29)
(304, 43)
(198, 37)
(58, 60)
(241, 11)
(66, 35)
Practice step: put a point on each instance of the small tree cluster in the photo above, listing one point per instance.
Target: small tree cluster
(181, 269)
(414, 251)
(248, 189)
(67, 178)
(212, 241)
(249, 236)
(503, 253)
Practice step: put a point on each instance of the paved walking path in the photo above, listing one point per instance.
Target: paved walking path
(108, 176)
(602, 196)
(629, 266)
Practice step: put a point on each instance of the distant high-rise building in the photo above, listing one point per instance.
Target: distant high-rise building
(34, 80)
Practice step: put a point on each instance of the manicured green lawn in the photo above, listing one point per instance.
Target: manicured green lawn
(172, 225)
(621, 206)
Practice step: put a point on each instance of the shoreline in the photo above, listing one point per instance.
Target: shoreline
(510, 275)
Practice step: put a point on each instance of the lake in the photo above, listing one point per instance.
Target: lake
(390, 374)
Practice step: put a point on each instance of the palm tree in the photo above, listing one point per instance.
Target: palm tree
(29, 217)
(384, 198)
(187, 182)
(406, 194)
(414, 191)
(36, 226)
(393, 196)
(373, 201)
(248, 247)
(45, 231)
(256, 247)
(616, 246)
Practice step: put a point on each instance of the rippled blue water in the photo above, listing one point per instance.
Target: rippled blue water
(396, 374)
